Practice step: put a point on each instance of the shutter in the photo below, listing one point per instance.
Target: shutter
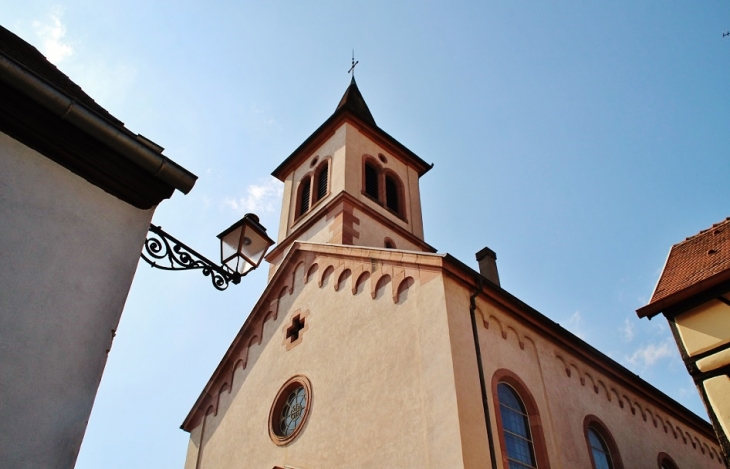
(304, 196)
(322, 182)
(391, 194)
(371, 181)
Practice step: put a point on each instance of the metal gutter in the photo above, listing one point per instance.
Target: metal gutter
(91, 123)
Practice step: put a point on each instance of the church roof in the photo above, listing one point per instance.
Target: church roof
(31, 58)
(355, 103)
(352, 106)
(695, 265)
(45, 110)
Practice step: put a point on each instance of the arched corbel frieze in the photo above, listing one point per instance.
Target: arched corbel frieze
(593, 381)
(651, 416)
(618, 397)
(526, 339)
(564, 365)
(402, 291)
(324, 278)
(361, 282)
(485, 323)
(574, 369)
(342, 279)
(297, 273)
(601, 384)
(382, 283)
(311, 272)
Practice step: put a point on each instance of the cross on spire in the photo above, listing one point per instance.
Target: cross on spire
(352, 69)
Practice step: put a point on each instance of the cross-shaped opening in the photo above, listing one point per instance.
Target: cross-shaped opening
(292, 331)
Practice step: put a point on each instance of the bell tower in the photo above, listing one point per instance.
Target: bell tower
(351, 183)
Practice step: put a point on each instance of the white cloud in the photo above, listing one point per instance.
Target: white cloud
(575, 324)
(51, 34)
(648, 355)
(260, 198)
(628, 330)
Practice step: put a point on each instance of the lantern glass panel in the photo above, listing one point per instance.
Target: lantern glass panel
(229, 247)
(254, 245)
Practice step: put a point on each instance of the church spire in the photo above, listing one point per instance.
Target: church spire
(353, 101)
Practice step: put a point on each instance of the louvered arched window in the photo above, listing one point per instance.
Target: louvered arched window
(322, 179)
(393, 193)
(383, 186)
(305, 191)
(372, 176)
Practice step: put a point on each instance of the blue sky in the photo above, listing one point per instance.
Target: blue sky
(579, 140)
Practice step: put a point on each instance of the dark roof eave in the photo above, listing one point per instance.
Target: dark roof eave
(107, 130)
(657, 307)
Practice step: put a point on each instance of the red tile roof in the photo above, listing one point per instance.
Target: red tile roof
(694, 260)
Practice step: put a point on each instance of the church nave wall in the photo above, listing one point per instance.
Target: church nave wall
(567, 388)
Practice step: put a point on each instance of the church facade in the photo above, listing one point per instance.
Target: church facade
(368, 349)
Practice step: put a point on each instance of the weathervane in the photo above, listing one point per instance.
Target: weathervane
(352, 69)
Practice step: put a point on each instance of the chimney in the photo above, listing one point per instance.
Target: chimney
(488, 265)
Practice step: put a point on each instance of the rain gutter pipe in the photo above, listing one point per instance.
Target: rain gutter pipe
(477, 349)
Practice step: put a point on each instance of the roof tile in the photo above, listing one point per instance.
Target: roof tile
(695, 259)
(29, 57)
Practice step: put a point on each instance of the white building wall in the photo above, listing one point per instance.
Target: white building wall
(69, 254)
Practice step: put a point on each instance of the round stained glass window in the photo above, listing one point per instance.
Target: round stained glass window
(291, 415)
(290, 410)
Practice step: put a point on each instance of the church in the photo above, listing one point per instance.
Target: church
(369, 349)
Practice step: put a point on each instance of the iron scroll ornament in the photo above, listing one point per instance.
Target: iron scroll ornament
(160, 245)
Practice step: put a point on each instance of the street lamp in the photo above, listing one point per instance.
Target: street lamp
(243, 247)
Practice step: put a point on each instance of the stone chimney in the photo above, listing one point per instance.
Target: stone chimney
(488, 265)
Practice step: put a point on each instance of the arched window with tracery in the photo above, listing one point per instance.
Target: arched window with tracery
(601, 445)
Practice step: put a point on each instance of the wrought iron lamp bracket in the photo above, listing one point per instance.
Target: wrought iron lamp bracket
(175, 255)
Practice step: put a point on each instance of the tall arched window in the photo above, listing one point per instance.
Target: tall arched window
(515, 429)
(520, 429)
(601, 445)
(600, 454)
(666, 462)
